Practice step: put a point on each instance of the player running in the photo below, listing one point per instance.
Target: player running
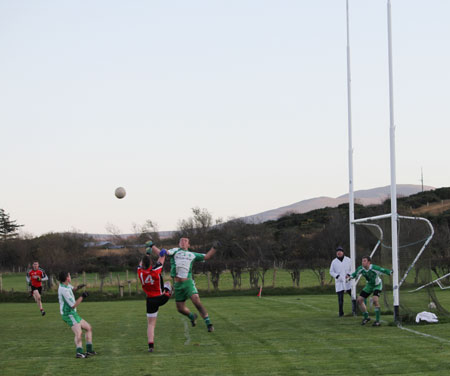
(34, 277)
(158, 292)
(181, 261)
(373, 286)
(68, 308)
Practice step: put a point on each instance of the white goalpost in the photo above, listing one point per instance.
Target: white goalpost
(393, 215)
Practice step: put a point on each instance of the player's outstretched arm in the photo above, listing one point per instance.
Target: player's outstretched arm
(212, 251)
(151, 247)
(162, 256)
(78, 287)
(83, 296)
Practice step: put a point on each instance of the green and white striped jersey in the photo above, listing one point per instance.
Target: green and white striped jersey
(372, 275)
(181, 262)
(66, 299)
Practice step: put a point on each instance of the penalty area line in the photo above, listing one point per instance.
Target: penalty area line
(423, 334)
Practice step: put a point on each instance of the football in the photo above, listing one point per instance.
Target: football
(432, 305)
(120, 192)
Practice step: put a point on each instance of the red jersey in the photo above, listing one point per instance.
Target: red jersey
(36, 277)
(151, 280)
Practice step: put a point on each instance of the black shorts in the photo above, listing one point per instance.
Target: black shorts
(36, 288)
(365, 294)
(155, 302)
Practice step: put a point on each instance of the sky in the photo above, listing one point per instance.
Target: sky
(235, 106)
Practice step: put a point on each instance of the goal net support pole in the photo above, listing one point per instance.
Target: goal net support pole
(423, 247)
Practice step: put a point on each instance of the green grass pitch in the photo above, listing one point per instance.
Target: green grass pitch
(279, 335)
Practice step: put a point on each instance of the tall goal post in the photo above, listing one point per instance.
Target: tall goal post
(393, 214)
(351, 198)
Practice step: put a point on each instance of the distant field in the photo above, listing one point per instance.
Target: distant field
(17, 281)
(285, 335)
(433, 209)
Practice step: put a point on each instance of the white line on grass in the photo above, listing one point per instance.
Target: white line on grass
(186, 332)
(423, 334)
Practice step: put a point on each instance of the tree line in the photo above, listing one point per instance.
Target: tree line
(294, 242)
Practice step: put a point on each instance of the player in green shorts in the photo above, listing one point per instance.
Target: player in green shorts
(373, 286)
(181, 261)
(68, 308)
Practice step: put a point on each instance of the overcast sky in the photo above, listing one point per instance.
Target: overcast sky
(236, 106)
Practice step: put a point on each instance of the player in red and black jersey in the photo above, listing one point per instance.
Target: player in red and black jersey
(157, 292)
(35, 276)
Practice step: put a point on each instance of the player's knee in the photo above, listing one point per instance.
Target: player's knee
(360, 300)
(87, 327)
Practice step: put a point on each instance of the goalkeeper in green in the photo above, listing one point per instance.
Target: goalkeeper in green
(373, 286)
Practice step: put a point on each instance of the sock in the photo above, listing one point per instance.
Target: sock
(89, 347)
(366, 315)
(191, 316)
(377, 313)
(150, 345)
(79, 350)
(207, 321)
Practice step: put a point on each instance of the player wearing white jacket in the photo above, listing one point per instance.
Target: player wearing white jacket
(340, 268)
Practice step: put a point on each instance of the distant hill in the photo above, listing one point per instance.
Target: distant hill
(374, 196)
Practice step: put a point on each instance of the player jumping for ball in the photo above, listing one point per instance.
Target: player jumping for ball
(157, 292)
(373, 286)
(68, 308)
(181, 261)
(34, 277)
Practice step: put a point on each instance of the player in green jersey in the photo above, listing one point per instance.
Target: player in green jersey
(181, 261)
(373, 286)
(68, 308)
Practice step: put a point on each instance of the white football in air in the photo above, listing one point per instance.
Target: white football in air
(432, 305)
(120, 192)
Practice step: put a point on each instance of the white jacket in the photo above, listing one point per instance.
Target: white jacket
(341, 269)
(426, 316)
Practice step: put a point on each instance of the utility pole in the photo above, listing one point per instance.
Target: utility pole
(421, 177)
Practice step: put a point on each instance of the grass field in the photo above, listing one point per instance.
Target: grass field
(280, 335)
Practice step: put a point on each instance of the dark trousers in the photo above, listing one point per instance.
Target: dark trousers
(340, 295)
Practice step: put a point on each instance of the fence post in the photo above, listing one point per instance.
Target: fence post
(120, 286)
(110, 277)
(129, 287)
(95, 281)
(274, 274)
(84, 280)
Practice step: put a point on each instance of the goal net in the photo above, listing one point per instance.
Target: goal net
(419, 287)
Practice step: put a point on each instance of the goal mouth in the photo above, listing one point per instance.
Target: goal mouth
(421, 279)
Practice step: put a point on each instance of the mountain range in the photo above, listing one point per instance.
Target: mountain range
(374, 196)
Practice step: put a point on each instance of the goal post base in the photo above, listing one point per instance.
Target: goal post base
(396, 314)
